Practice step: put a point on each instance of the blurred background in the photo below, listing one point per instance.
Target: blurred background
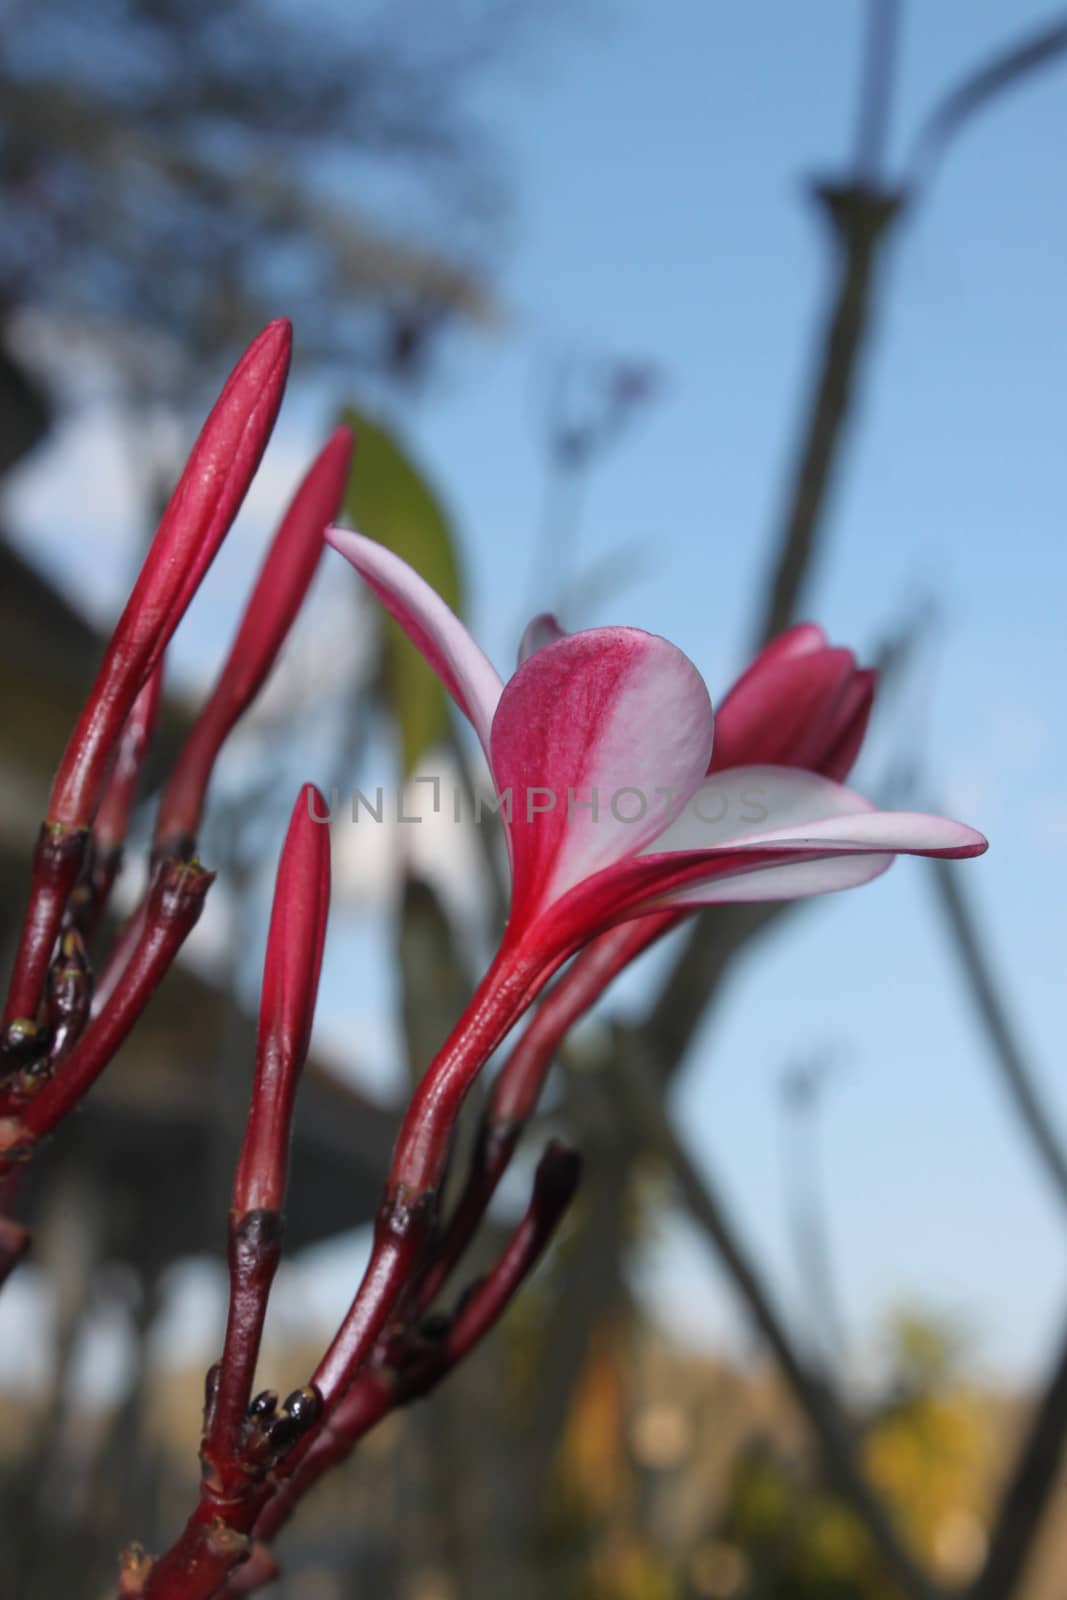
(701, 317)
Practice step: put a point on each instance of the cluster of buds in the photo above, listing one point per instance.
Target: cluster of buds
(259, 1459)
(64, 1021)
(60, 1028)
(623, 817)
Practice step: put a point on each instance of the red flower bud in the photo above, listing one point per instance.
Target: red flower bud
(198, 516)
(283, 582)
(287, 1005)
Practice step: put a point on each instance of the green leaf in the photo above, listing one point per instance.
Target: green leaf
(390, 498)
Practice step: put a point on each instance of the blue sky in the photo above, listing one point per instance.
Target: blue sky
(660, 156)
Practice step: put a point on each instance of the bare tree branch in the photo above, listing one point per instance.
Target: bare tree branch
(953, 898)
(1025, 1500)
(1005, 71)
(860, 219)
(816, 1400)
(876, 87)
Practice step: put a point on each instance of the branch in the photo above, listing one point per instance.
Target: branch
(244, 1439)
(876, 87)
(988, 1001)
(416, 1360)
(817, 1402)
(979, 88)
(31, 1107)
(860, 220)
(1022, 1508)
(290, 985)
(717, 939)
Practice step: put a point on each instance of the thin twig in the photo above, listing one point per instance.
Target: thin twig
(988, 1000)
(815, 1398)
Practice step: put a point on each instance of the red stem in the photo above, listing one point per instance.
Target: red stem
(113, 817)
(399, 1238)
(380, 1388)
(254, 1248)
(29, 1112)
(287, 1006)
(555, 1181)
(216, 1537)
(517, 1088)
(57, 862)
(514, 979)
(404, 1221)
(119, 956)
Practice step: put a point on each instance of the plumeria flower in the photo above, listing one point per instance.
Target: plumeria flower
(602, 740)
(803, 704)
(600, 748)
(602, 743)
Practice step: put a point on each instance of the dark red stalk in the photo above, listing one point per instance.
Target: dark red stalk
(400, 1235)
(517, 1087)
(217, 1537)
(419, 1361)
(555, 1181)
(404, 1222)
(200, 511)
(244, 1438)
(118, 957)
(113, 817)
(403, 1225)
(31, 1109)
(279, 593)
(287, 1006)
(513, 981)
(56, 867)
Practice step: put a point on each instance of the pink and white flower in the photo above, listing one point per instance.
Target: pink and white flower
(603, 741)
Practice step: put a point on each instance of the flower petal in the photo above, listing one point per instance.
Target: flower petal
(540, 630)
(847, 844)
(598, 736)
(745, 802)
(799, 640)
(784, 710)
(434, 629)
(850, 726)
(837, 852)
(785, 880)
